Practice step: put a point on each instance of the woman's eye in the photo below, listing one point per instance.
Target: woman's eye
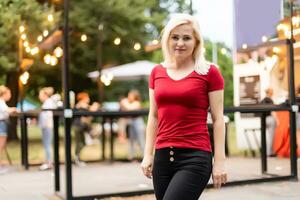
(175, 38)
(186, 38)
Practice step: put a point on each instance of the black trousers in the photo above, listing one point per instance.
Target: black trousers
(180, 174)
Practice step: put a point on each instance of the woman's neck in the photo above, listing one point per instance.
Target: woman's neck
(184, 63)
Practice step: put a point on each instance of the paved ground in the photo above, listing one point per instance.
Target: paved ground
(105, 178)
(267, 191)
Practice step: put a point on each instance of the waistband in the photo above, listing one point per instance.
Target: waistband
(181, 150)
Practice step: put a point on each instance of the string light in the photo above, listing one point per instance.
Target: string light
(83, 37)
(34, 51)
(45, 33)
(21, 29)
(137, 46)
(24, 78)
(39, 38)
(117, 41)
(50, 18)
(23, 36)
(276, 50)
(47, 59)
(106, 78)
(53, 61)
(264, 38)
(245, 46)
(25, 44)
(58, 52)
(27, 49)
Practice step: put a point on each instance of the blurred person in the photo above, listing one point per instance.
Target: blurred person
(136, 125)
(123, 122)
(96, 128)
(181, 90)
(5, 96)
(82, 125)
(46, 124)
(271, 121)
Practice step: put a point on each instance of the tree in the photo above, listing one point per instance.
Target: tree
(134, 21)
(226, 68)
(15, 13)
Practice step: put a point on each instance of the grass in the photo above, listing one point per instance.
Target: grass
(90, 152)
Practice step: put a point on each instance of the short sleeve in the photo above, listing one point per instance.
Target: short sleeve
(152, 78)
(215, 79)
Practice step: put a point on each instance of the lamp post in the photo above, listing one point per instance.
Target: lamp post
(99, 62)
(292, 96)
(67, 111)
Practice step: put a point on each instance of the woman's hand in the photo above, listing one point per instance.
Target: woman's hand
(146, 165)
(219, 174)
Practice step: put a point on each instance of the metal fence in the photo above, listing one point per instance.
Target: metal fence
(261, 110)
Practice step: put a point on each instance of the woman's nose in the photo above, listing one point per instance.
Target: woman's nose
(180, 42)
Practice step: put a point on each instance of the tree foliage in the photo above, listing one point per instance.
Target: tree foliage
(226, 68)
(134, 21)
(15, 13)
(131, 20)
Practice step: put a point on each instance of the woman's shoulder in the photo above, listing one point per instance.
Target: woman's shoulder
(158, 67)
(3, 104)
(157, 70)
(214, 69)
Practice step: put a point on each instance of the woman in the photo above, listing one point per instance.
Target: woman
(136, 126)
(5, 96)
(181, 90)
(46, 124)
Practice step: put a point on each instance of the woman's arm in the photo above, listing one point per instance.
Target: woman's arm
(216, 106)
(136, 105)
(151, 131)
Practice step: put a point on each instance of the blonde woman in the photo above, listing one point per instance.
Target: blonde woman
(5, 96)
(181, 90)
(46, 124)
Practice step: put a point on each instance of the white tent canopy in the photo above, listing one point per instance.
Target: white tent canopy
(130, 71)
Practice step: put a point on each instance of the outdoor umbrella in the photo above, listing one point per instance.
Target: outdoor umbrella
(130, 71)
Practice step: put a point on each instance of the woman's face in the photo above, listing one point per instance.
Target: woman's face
(7, 95)
(86, 100)
(182, 41)
(131, 97)
(42, 96)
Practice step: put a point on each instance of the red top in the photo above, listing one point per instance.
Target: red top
(182, 107)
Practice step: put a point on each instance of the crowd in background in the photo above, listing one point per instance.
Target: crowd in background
(130, 130)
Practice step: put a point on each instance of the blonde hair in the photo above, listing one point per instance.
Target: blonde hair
(201, 65)
(3, 90)
(48, 91)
